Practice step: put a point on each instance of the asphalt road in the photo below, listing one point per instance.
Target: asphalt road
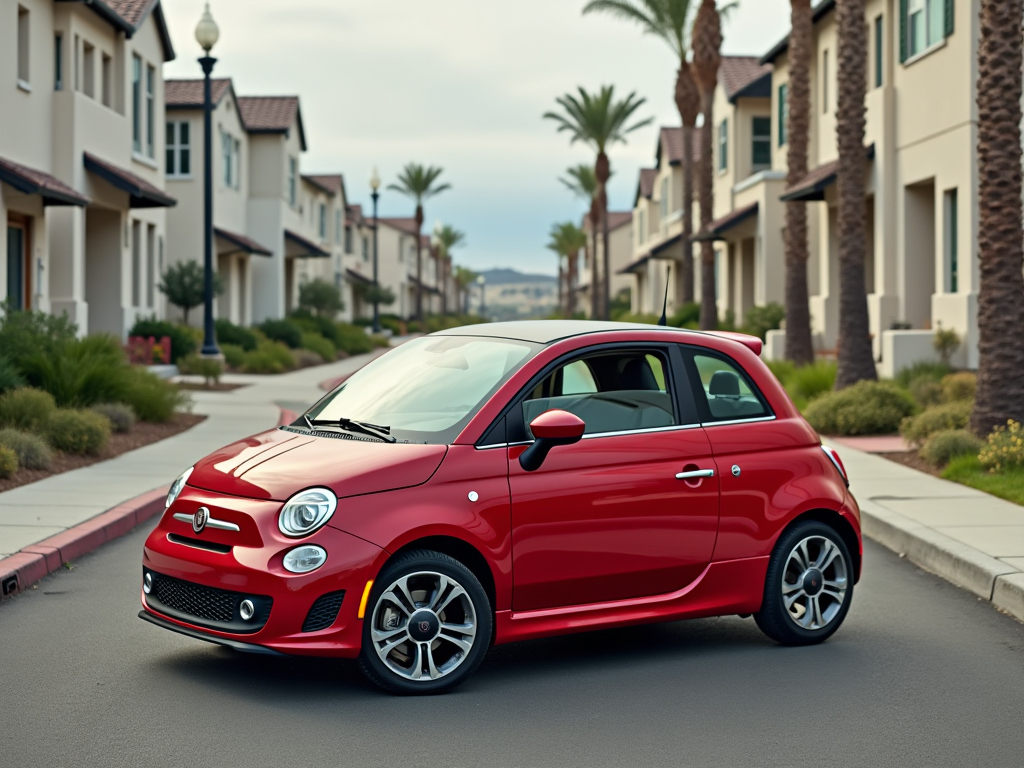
(922, 674)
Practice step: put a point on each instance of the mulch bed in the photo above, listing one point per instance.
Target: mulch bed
(193, 386)
(912, 460)
(142, 434)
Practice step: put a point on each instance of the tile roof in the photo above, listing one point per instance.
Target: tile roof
(243, 243)
(354, 214)
(671, 139)
(813, 185)
(407, 224)
(32, 182)
(311, 249)
(647, 179)
(271, 114)
(179, 94)
(720, 226)
(132, 11)
(740, 73)
(142, 193)
(331, 183)
(130, 15)
(616, 219)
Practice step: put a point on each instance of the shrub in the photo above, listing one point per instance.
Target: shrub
(942, 447)
(314, 342)
(946, 342)
(783, 370)
(229, 333)
(77, 432)
(184, 285)
(959, 386)
(938, 418)
(380, 341)
(760, 320)
(393, 324)
(352, 339)
(25, 333)
(321, 298)
(311, 323)
(183, 343)
(234, 355)
(26, 409)
(926, 391)
(82, 372)
(8, 462)
(810, 381)
(9, 376)
(934, 371)
(120, 416)
(269, 357)
(207, 367)
(305, 358)
(685, 315)
(866, 408)
(1004, 448)
(32, 450)
(153, 399)
(284, 331)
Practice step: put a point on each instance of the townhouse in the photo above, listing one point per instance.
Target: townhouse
(81, 159)
(620, 252)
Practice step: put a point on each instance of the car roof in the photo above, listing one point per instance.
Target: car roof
(549, 331)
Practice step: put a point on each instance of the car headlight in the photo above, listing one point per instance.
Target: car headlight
(304, 512)
(177, 485)
(305, 559)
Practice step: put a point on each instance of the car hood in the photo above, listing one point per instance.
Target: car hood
(278, 464)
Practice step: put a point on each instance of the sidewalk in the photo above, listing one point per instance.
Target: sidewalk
(968, 537)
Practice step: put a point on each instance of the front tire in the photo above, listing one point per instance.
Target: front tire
(809, 585)
(427, 625)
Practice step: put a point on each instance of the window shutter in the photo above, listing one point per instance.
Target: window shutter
(949, 17)
(904, 42)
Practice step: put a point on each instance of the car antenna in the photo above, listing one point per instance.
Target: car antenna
(664, 306)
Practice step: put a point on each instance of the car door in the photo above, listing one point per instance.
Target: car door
(607, 518)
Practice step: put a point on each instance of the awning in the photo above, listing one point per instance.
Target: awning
(33, 182)
(311, 249)
(358, 277)
(241, 242)
(142, 193)
(718, 227)
(425, 287)
(814, 184)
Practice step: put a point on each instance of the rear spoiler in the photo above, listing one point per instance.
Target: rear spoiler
(752, 343)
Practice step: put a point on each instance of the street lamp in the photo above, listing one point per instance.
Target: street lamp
(375, 194)
(482, 282)
(207, 34)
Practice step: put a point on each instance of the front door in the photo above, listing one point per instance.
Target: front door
(17, 295)
(607, 519)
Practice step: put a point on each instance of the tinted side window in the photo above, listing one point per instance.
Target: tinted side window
(617, 391)
(726, 391)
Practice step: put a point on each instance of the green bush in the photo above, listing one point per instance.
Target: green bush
(26, 409)
(229, 333)
(77, 432)
(353, 339)
(209, 368)
(934, 371)
(959, 386)
(783, 370)
(284, 331)
(938, 418)
(26, 333)
(234, 355)
(311, 323)
(381, 342)
(866, 408)
(183, 342)
(1004, 448)
(8, 463)
(760, 320)
(321, 298)
(314, 342)
(306, 358)
(120, 416)
(153, 399)
(810, 381)
(82, 372)
(269, 357)
(32, 450)
(393, 324)
(687, 314)
(10, 378)
(926, 391)
(942, 447)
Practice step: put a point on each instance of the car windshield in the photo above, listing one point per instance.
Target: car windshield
(428, 389)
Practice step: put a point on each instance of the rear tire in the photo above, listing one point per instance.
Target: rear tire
(809, 585)
(427, 625)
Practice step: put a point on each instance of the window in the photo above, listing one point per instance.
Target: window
(107, 83)
(761, 140)
(642, 229)
(75, 54)
(151, 276)
(136, 263)
(723, 145)
(226, 148)
(179, 149)
(17, 255)
(783, 112)
(136, 103)
(337, 225)
(824, 81)
(323, 222)
(292, 189)
(150, 111)
(348, 238)
(366, 249)
(879, 51)
(23, 47)
(664, 198)
(58, 62)
(236, 148)
(927, 23)
(89, 70)
(724, 392)
(952, 250)
(620, 391)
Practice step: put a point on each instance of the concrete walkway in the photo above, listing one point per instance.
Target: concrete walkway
(31, 513)
(964, 535)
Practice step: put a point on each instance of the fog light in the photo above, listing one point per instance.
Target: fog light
(246, 610)
(305, 559)
(147, 583)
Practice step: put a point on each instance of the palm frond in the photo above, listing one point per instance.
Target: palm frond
(725, 9)
(665, 19)
(597, 118)
(417, 181)
(566, 239)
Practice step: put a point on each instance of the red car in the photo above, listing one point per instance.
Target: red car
(503, 482)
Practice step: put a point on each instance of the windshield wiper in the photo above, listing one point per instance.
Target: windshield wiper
(361, 427)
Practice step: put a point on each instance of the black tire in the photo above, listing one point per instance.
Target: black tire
(426, 636)
(777, 620)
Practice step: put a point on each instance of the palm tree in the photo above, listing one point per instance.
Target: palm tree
(599, 120)
(582, 182)
(448, 237)
(566, 241)
(670, 21)
(418, 182)
(856, 361)
(463, 279)
(798, 316)
(1000, 393)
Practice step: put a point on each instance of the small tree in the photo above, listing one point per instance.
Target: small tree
(946, 342)
(371, 293)
(182, 284)
(320, 298)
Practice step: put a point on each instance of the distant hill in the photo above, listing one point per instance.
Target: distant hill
(505, 276)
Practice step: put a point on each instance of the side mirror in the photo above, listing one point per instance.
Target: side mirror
(549, 429)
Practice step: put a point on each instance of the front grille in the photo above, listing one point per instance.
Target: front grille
(324, 611)
(206, 606)
(210, 546)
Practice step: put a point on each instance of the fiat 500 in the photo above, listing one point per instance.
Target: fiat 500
(497, 483)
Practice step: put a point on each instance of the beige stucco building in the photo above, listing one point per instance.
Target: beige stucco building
(620, 253)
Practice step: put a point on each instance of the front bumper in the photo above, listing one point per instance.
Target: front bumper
(213, 572)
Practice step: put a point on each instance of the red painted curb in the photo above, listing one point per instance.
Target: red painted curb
(36, 561)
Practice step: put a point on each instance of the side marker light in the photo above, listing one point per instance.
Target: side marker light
(366, 596)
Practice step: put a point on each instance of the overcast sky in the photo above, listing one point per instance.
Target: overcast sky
(456, 83)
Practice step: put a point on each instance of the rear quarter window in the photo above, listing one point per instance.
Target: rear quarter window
(723, 390)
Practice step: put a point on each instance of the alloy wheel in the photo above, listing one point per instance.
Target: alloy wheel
(814, 583)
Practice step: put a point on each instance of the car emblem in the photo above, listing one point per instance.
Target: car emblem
(199, 519)
(424, 626)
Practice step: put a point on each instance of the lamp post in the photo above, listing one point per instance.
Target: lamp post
(207, 34)
(482, 282)
(375, 194)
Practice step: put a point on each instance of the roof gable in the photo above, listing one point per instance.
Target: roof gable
(130, 15)
(271, 114)
(745, 76)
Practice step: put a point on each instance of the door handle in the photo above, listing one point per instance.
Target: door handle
(693, 475)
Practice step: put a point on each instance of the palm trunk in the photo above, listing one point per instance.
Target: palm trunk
(419, 263)
(799, 348)
(708, 298)
(1000, 394)
(688, 104)
(571, 278)
(562, 305)
(856, 361)
(595, 300)
(602, 170)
